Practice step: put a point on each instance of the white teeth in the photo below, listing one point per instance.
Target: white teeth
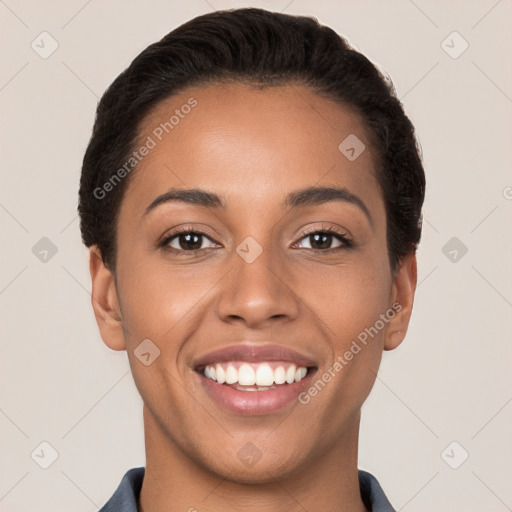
(299, 374)
(264, 375)
(221, 378)
(279, 375)
(246, 375)
(290, 374)
(231, 374)
(251, 374)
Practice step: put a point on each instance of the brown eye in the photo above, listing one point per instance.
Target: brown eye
(320, 241)
(187, 241)
(323, 240)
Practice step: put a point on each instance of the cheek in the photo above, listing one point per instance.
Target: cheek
(155, 306)
(154, 300)
(348, 299)
(350, 304)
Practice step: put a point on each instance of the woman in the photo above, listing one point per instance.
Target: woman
(251, 197)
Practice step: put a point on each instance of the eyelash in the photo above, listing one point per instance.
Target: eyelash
(347, 243)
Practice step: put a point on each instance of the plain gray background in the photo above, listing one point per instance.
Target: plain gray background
(443, 394)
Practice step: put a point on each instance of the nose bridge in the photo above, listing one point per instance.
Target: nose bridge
(256, 290)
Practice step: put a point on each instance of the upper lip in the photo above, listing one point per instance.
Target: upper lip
(254, 353)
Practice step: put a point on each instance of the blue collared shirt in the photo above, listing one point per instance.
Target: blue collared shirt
(126, 496)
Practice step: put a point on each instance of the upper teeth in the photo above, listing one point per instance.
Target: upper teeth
(250, 374)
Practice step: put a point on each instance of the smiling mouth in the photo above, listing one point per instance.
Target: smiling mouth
(250, 388)
(254, 379)
(247, 376)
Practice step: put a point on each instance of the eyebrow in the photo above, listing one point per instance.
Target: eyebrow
(192, 196)
(320, 195)
(300, 198)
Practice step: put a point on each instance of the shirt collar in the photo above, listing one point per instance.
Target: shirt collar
(127, 494)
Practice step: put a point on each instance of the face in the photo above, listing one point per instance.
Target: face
(277, 269)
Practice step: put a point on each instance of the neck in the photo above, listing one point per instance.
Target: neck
(174, 482)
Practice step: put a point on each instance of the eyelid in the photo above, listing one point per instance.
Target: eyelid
(184, 230)
(165, 240)
(341, 234)
(327, 229)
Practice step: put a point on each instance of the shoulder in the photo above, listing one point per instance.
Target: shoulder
(127, 493)
(372, 494)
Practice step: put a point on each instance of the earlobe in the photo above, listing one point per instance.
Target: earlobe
(402, 299)
(105, 302)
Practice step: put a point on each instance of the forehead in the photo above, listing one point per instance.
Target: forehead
(238, 139)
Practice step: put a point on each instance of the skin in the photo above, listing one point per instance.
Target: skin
(252, 147)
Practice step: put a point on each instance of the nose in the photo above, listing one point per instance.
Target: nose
(258, 293)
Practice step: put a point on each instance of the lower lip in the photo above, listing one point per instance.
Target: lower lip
(253, 403)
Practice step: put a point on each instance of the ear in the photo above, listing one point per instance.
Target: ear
(402, 298)
(105, 302)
